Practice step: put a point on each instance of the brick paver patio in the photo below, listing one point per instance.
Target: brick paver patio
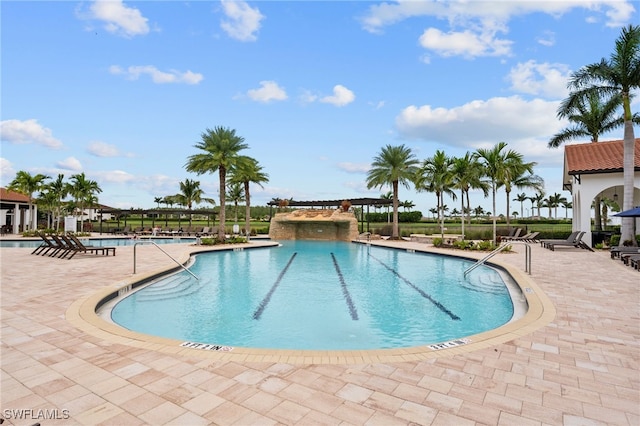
(581, 368)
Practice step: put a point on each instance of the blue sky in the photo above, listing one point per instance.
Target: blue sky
(122, 91)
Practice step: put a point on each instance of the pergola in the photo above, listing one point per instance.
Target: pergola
(375, 202)
(156, 214)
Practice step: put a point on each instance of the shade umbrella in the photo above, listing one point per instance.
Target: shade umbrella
(634, 212)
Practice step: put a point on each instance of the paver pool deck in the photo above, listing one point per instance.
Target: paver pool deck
(577, 363)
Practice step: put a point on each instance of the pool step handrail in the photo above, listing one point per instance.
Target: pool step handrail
(527, 260)
(159, 248)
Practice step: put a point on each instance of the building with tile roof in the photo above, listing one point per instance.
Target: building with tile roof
(14, 211)
(592, 169)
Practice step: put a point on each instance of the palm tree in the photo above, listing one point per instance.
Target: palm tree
(394, 165)
(520, 175)
(521, 198)
(554, 201)
(58, 191)
(388, 196)
(467, 175)
(221, 147)
(591, 116)
(82, 189)
(247, 171)
(190, 192)
(408, 204)
(536, 201)
(27, 184)
(436, 176)
(567, 205)
(477, 211)
(157, 200)
(495, 163)
(618, 76)
(235, 193)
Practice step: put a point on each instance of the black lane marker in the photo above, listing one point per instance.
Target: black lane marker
(422, 292)
(267, 298)
(345, 290)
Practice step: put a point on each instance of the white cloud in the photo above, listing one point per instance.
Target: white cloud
(157, 76)
(525, 125)
(115, 176)
(28, 131)
(474, 25)
(354, 167)
(548, 38)
(102, 149)
(465, 43)
(70, 163)
(341, 96)
(7, 172)
(119, 19)
(268, 91)
(541, 79)
(242, 21)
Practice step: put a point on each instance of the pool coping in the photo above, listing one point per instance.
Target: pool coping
(541, 311)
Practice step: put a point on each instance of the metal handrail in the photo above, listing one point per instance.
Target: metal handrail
(527, 260)
(160, 248)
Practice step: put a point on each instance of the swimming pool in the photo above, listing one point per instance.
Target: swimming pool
(100, 242)
(320, 296)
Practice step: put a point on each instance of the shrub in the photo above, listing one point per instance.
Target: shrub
(438, 242)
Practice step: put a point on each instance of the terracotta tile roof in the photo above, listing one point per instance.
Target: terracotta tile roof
(597, 157)
(6, 195)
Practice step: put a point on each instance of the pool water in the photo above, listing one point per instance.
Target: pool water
(99, 242)
(320, 296)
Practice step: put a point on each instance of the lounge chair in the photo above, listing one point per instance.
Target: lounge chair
(569, 239)
(66, 248)
(528, 238)
(79, 246)
(575, 243)
(205, 231)
(46, 246)
(619, 251)
(515, 233)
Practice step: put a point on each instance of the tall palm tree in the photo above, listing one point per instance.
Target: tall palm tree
(536, 201)
(567, 205)
(591, 116)
(520, 175)
(467, 175)
(617, 76)
(190, 193)
(436, 176)
(27, 184)
(82, 189)
(247, 171)
(394, 165)
(554, 201)
(221, 148)
(58, 191)
(495, 163)
(235, 193)
(521, 198)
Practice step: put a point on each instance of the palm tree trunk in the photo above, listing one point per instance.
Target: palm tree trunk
(247, 214)
(508, 213)
(462, 215)
(493, 191)
(395, 234)
(628, 174)
(222, 174)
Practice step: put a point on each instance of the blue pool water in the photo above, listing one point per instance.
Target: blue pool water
(321, 296)
(100, 242)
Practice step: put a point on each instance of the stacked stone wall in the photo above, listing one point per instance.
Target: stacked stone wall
(314, 225)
